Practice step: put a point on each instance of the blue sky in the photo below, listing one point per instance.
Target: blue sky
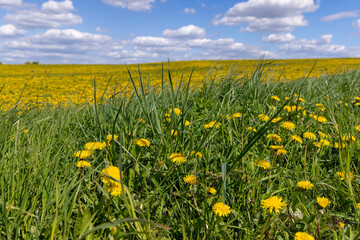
(137, 31)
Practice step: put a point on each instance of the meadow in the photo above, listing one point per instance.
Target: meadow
(236, 152)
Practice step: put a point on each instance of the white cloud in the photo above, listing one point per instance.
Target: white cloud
(189, 32)
(356, 25)
(9, 30)
(279, 38)
(133, 5)
(101, 30)
(57, 7)
(318, 48)
(52, 15)
(268, 15)
(158, 44)
(189, 10)
(9, 4)
(340, 15)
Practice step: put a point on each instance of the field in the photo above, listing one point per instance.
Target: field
(236, 151)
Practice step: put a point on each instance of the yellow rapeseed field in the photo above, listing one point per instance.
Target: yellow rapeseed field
(57, 84)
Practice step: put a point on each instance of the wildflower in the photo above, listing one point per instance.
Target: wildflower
(288, 108)
(252, 129)
(186, 123)
(343, 175)
(237, 115)
(281, 151)
(276, 147)
(309, 135)
(357, 205)
(272, 107)
(296, 138)
(286, 98)
(173, 132)
(322, 135)
(263, 164)
(321, 119)
(273, 203)
(323, 201)
(176, 111)
(275, 120)
(211, 190)
(357, 128)
(26, 131)
(113, 230)
(95, 145)
(167, 118)
(160, 163)
(341, 225)
(228, 116)
(114, 187)
(82, 164)
(276, 98)
(336, 145)
(190, 179)
(321, 143)
(348, 137)
(83, 154)
(141, 120)
(305, 185)
(303, 236)
(109, 138)
(213, 124)
(288, 125)
(221, 209)
(197, 154)
(142, 142)
(177, 158)
(274, 137)
(263, 117)
(301, 100)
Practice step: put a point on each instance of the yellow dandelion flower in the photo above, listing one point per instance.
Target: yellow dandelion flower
(288, 108)
(83, 154)
(275, 120)
(95, 145)
(276, 98)
(343, 175)
(114, 187)
(221, 209)
(173, 132)
(176, 111)
(321, 119)
(322, 135)
(286, 98)
(341, 225)
(237, 115)
(281, 151)
(197, 154)
(211, 190)
(26, 131)
(190, 179)
(303, 236)
(263, 164)
(309, 135)
(301, 100)
(82, 164)
(110, 137)
(357, 205)
(274, 137)
(141, 120)
(177, 158)
(288, 125)
(252, 129)
(296, 138)
(357, 128)
(213, 124)
(348, 137)
(186, 123)
(272, 107)
(276, 147)
(323, 201)
(305, 185)
(337, 145)
(142, 142)
(263, 117)
(322, 143)
(273, 203)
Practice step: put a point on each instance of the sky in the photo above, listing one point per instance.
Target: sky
(140, 31)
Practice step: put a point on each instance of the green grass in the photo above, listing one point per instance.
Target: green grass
(43, 195)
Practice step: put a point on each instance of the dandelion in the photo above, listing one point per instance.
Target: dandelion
(141, 120)
(357, 128)
(321, 143)
(173, 132)
(296, 138)
(274, 137)
(186, 123)
(221, 209)
(177, 158)
(190, 179)
(276, 98)
(301, 100)
(95, 145)
(211, 190)
(273, 203)
(306, 185)
(348, 137)
(142, 142)
(213, 124)
(160, 163)
(323, 201)
(237, 115)
(263, 164)
(309, 135)
(287, 98)
(176, 111)
(82, 164)
(276, 147)
(114, 187)
(281, 151)
(337, 145)
(263, 117)
(322, 135)
(252, 129)
(303, 236)
(26, 131)
(110, 137)
(197, 154)
(275, 120)
(343, 175)
(288, 125)
(321, 119)
(83, 154)
(357, 205)
(341, 225)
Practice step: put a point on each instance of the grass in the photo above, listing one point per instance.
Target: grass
(45, 196)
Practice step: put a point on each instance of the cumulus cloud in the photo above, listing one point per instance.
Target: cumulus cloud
(189, 10)
(356, 25)
(340, 15)
(9, 4)
(9, 30)
(279, 38)
(268, 16)
(189, 32)
(133, 5)
(101, 30)
(52, 15)
(158, 44)
(318, 48)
